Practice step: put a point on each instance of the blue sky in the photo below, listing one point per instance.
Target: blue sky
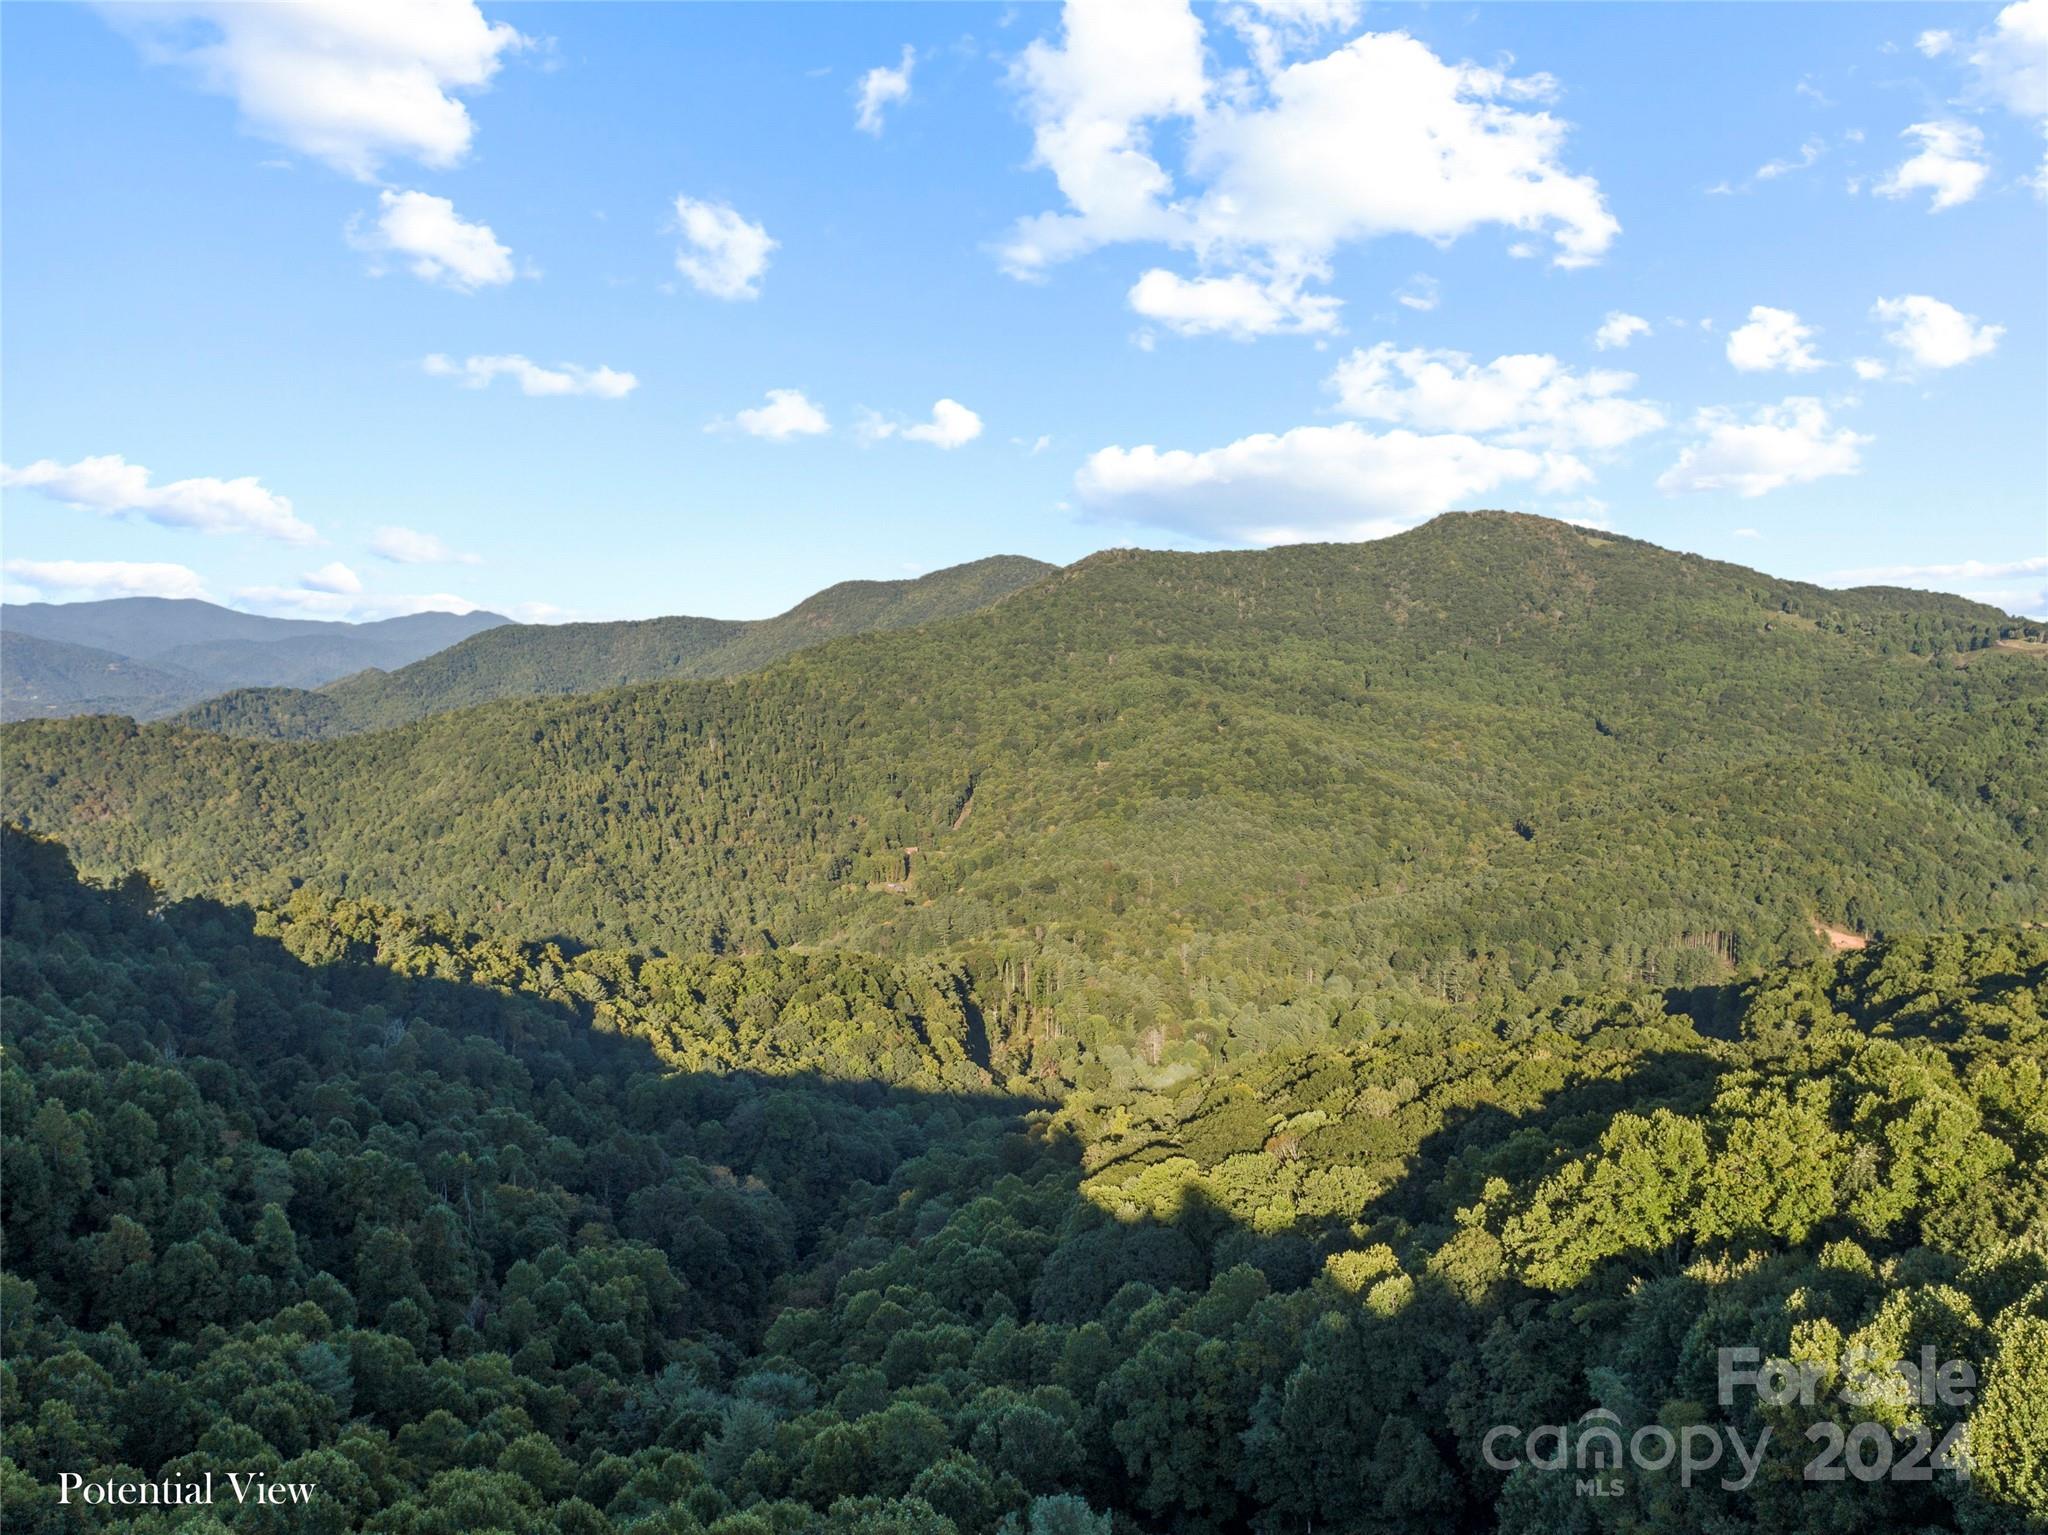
(611, 311)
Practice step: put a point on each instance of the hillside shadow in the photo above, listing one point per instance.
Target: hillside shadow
(484, 1178)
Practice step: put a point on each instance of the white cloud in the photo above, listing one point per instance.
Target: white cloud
(1440, 150)
(2011, 60)
(1809, 152)
(408, 546)
(1318, 14)
(563, 378)
(1312, 482)
(1947, 165)
(2022, 584)
(1960, 570)
(434, 242)
(1527, 400)
(722, 254)
(1420, 292)
(346, 81)
(110, 485)
(787, 414)
(952, 425)
(1934, 42)
(1237, 306)
(1933, 334)
(1869, 369)
(310, 601)
(1747, 533)
(332, 577)
(1772, 341)
(86, 579)
(1618, 329)
(1431, 149)
(1275, 29)
(1585, 512)
(541, 613)
(881, 87)
(1778, 445)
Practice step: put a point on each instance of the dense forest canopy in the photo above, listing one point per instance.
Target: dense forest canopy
(1162, 809)
(471, 1235)
(1340, 1038)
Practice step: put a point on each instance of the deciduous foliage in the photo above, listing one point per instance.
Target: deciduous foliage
(479, 1235)
(1168, 809)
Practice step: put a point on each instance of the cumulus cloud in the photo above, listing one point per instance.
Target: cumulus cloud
(79, 580)
(332, 577)
(1793, 443)
(409, 546)
(1774, 340)
(788, 414)
(564, 378)
(1933, 334)
(1340, 482)
(434, 242)
(1274, 30)
(879, 88)
(722, 254)
(952, 425)
(1619, 329)
(1526, 400)
(348, 82)
(110, 485)
(1428, 148)
(1934, 42)
(1236, 306)
(1870, 369)
(1949, 164)
(2011, 60)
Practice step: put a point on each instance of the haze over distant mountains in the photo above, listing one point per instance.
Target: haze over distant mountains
(243, 674)
(151, 656)
(534, 660)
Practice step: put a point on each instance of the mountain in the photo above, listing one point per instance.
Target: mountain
(523, 661)
(1189, 804)
(473, 1234)
(46, 679)
(201, 648)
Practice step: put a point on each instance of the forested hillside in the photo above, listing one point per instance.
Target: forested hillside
(535, 661)
(478, 1235)
(1165, 809)
(49, 679)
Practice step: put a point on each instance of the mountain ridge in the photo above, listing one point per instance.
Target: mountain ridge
(518, 660)
(1216, 791)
